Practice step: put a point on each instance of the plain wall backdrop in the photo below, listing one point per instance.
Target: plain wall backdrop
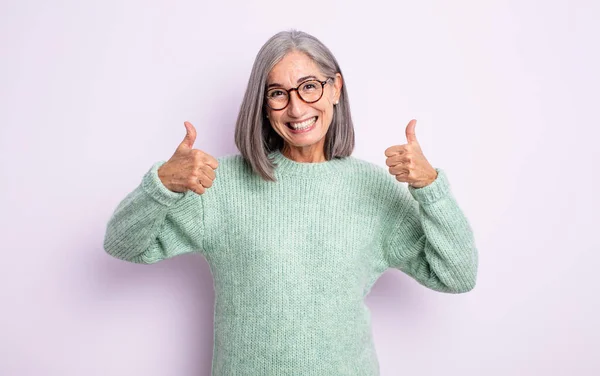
(506, 97)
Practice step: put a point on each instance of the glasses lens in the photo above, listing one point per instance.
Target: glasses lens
(310, 91)
(277, 98)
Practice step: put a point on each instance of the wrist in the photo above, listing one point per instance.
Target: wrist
(427, 182)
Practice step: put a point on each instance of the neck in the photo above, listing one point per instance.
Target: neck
(285, 167)
(307, 154)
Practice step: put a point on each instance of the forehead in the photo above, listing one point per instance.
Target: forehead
(293, 66)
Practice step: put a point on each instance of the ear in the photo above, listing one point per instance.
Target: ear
(337, 84)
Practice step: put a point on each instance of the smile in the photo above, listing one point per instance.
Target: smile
(305, 125)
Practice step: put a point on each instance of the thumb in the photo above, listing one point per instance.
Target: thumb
(190, 136)
(411, 137)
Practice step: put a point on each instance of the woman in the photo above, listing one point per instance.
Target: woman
(296, 231)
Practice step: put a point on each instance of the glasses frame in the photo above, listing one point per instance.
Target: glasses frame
(289, 93)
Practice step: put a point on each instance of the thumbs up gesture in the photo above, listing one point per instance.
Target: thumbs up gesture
(188, 168)
(407, 162)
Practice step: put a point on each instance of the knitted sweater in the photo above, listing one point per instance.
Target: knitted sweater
(293, 260)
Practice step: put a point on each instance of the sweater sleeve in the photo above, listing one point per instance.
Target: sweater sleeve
(430, 238)
(153, 223)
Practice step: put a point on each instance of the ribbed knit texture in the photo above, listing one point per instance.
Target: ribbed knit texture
(293, 260)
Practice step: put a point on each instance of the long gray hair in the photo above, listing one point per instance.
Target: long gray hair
(254, 136)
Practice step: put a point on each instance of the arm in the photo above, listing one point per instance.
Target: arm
(153, 223)
(430, 239)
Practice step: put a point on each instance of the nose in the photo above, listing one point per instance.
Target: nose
(295, 106)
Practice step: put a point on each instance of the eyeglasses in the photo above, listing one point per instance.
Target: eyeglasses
(309, 91)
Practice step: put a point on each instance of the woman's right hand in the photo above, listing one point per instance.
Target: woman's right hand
(188, 168)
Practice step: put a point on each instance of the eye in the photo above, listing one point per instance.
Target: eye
(275, 94)
(309, 86)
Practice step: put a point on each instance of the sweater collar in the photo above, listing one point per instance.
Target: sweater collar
(285, 166)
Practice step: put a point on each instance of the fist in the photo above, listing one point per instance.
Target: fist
(188, 168)
(407, 162)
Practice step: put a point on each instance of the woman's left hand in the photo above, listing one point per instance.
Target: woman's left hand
(407, 162)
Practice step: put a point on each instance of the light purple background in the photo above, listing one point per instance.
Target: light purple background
(505, 94)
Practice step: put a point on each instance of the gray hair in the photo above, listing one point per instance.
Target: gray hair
(254, 136)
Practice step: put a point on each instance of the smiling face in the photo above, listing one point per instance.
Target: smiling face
(302, 125)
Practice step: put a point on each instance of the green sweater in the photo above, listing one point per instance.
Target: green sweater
(293, 260)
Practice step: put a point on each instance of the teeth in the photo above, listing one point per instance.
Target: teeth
(304, 124)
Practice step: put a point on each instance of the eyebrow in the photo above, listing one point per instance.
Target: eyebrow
(299, 80)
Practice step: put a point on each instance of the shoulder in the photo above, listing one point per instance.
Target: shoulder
(232, 163)
(374, 182)
(230, 159)
(364, 165)
(375, 175)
